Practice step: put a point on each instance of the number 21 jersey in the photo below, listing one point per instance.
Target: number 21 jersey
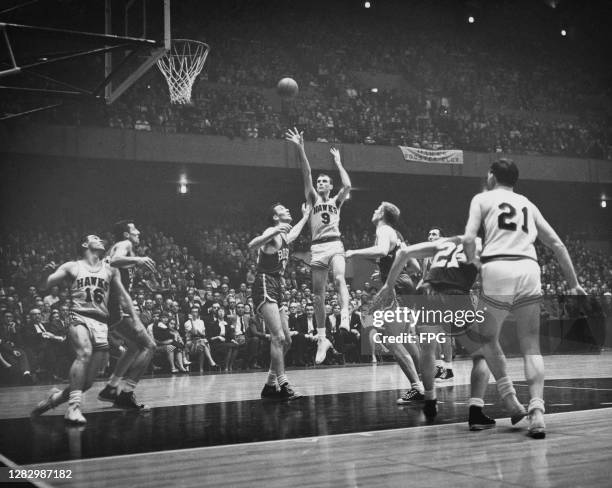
(509, 225)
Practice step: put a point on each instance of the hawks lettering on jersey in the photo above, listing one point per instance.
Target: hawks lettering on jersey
(509, 225)
(325, 219)
(90, 289)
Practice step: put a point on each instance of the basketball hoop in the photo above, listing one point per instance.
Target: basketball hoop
(180, 66)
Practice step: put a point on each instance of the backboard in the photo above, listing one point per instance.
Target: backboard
(94, 50)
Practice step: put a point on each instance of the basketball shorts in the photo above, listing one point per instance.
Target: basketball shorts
(448, 309)
(404, 285)
(266, 288)
(452, 312)
(98, 330)
(322, 254)
(508, 285)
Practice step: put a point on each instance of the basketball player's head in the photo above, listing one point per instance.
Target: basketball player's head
(387, 213)
(435, 233)
(325, 184)
(90, 245)
(126, 230)
(502, 173)
(279, 214)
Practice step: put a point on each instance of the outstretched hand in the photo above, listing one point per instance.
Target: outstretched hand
(306, 208)
(577, 290)
(295, 136)
(148, 263)
(336, 154)
(283, 228)
(384, 298)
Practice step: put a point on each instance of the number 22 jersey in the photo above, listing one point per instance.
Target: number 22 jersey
(449, 269)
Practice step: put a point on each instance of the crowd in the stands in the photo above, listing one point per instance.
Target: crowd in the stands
(470, 92)
(198, 305)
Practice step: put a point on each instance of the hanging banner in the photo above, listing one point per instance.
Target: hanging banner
(451, 156)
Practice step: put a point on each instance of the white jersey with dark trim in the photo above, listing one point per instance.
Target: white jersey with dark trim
(509, 225)
(91, 288)
(325, 218)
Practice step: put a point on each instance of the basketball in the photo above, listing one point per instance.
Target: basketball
(287, 88)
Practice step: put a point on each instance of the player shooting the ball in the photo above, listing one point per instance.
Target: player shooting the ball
(327, 250)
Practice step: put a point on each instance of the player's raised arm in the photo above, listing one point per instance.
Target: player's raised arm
(122, 257)
(268, 235)
(344, 177)
(471, 229)
(416, 251)
(550, 239)
(293, 234)
(58, 276)
(378, 250)
(297, 138)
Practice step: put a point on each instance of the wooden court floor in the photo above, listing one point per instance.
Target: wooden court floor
(212, 430)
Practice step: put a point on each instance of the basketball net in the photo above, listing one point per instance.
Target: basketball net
(181, 65)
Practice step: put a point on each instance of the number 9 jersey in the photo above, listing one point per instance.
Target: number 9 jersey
(325, 219)
(509, 225)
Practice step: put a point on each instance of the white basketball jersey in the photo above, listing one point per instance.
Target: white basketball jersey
(91, 288)
(325, 219)
(509, 225)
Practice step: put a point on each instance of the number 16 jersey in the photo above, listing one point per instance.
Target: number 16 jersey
(509, 225)
(90, 290)
(325, 219)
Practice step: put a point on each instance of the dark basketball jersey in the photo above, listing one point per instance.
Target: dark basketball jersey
(385, 263)
(126, 274)
(127, 278)
(273, 263)
(447, 272)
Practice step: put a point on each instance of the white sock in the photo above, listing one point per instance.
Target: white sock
(505, 387)
(439, 363)
(476, 402)
(75, 397)
(282, 379)
(418, 386)
(448, 365)
(129, 385)
(271, 381)
(113, 381)
(536, 404)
